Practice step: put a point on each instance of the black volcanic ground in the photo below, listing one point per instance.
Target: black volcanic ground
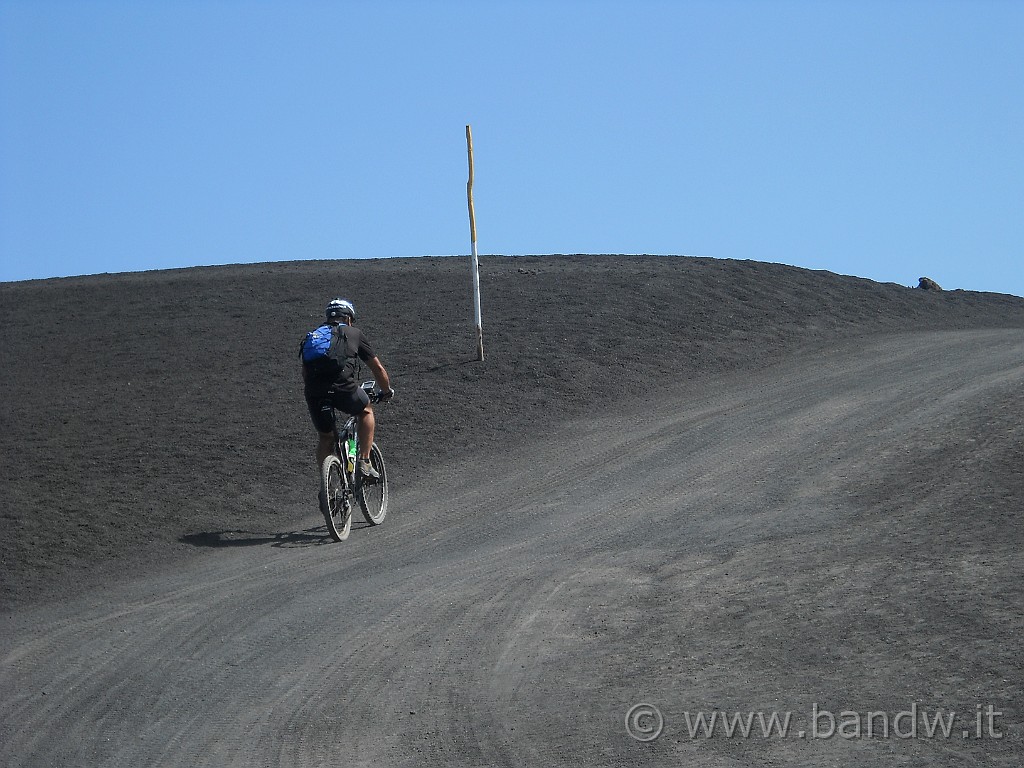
(705, 485)
(146, 413)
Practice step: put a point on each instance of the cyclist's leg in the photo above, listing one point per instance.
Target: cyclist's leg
(322, 414)
(356, 403)
(324, 447)
(367, 424)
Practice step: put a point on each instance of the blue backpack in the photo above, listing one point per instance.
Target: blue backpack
(326, 353)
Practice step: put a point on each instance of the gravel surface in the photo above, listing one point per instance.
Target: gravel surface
(701, 484)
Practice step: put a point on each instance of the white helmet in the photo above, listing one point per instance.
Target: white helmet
(341, 308)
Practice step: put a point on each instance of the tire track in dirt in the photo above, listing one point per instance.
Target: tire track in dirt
(484, 727)
(462, 606)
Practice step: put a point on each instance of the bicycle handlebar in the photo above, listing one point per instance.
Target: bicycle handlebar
(376, 395)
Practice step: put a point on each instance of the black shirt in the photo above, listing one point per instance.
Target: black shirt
(358, 346)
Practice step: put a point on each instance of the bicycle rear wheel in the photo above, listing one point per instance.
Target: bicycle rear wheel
(373, 497)
(334, 503)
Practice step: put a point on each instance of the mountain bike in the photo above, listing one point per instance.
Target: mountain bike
(340, 483)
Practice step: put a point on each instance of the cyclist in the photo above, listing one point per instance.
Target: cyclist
(340, 390)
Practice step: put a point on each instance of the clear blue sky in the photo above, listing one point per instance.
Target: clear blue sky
(880, 139)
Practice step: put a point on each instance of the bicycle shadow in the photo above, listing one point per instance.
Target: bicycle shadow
(310, 537)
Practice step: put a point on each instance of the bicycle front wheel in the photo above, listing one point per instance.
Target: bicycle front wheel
(334, 503)
(373, 496)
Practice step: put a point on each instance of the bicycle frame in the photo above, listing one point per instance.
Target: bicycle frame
(341, 436)
(350, 431)
(340, 483)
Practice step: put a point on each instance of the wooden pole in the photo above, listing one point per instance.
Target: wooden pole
(476, 262)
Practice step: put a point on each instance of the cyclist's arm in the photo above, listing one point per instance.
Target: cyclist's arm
(383, 381)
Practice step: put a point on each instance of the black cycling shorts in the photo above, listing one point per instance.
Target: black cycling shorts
(353, 403)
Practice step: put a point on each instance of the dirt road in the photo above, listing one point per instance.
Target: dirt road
(745, 544)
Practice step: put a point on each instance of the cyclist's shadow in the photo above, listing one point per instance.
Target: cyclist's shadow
(310, 537)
